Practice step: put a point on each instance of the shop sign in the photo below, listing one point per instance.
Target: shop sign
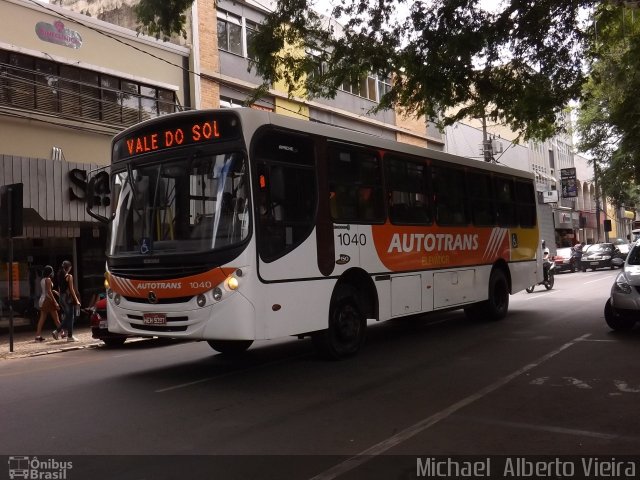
(57, 33)
(78, 178)
(569, 183)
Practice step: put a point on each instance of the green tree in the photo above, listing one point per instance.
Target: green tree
(608, 125)
(163, 18)
(449, 59)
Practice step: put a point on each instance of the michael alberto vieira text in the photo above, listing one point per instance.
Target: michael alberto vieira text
(521, 467)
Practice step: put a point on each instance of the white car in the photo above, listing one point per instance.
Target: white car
(622, 310)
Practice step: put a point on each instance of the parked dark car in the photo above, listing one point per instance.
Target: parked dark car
(566, 260)
(99, 328)
(601, 255)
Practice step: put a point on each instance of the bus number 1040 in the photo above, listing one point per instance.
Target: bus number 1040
(348, 239)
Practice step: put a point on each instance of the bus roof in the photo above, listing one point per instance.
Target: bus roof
(253, 119)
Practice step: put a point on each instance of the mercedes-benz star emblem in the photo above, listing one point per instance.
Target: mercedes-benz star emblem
(152, 298)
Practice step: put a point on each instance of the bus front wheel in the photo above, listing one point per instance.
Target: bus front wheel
(230, 347)
(346, 332)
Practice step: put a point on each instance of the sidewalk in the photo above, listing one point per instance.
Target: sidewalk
(24, 344)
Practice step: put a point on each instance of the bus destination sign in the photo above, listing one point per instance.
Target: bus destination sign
(176, 132)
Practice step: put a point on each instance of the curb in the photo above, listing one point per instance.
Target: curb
(39, 352)
(60, 350)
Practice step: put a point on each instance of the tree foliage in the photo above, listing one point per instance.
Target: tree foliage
(162, 18)
(608, 121)
(449, 59)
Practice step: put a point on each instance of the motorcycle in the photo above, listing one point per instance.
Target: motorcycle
(548, 266)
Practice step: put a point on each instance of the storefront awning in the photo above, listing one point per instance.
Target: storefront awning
(54, 190)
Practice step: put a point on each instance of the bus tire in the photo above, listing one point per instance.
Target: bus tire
(346, 332)
(114, 342)
(497, 305)
(230, 347)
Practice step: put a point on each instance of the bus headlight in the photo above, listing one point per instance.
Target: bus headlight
(217, 294)
(201, 300)
(232, 283)
(228, 286)
(117, 298)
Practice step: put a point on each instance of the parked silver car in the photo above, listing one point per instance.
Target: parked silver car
(622, 310)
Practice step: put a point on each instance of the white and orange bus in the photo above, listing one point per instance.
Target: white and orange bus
(236, 225)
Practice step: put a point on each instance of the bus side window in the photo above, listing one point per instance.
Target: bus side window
(450, 195)
(355, 177)
(526, 204)
(408, 191)
(481, 199)
(506, 202)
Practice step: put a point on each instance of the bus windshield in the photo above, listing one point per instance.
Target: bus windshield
(181, 205)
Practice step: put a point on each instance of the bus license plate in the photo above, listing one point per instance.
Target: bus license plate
(154, 318)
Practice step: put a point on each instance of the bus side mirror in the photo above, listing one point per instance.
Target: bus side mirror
(91, 187)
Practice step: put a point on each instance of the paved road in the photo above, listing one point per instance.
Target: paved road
(551, 379)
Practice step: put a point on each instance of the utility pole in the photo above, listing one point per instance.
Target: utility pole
(487, 147)
(597, 194)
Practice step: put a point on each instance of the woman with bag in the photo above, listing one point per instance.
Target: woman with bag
(68, 300)
(47, 303)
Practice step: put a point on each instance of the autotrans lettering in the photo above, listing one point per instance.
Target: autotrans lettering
(429, 242)
(174, 137)
(159, 285)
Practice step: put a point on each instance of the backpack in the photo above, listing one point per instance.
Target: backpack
(62, 284)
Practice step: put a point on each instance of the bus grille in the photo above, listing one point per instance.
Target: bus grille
(160, 328)
(148, 272)
(160, 300)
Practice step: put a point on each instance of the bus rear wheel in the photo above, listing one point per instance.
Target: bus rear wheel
(230, 347)
(497, 305)
(346, 332)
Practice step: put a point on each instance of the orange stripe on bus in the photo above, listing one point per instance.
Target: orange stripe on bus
(171, 287)
(415, 247)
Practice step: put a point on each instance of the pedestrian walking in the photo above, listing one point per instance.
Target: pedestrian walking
(69, 301)
(47, 303)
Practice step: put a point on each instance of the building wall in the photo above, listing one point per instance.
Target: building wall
(36, 138)
(80, 140)
(97, 52)
(51, 150)
(412, 124)
(466, 140)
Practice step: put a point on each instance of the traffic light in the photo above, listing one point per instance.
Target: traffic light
(607, 225)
